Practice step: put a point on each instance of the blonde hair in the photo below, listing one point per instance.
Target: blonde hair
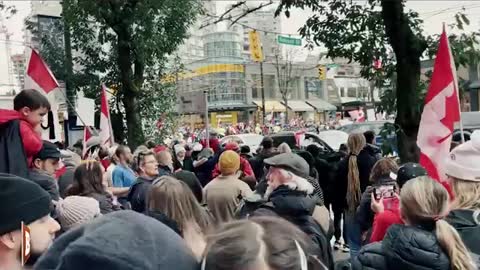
(355, 143)
(423, 201)
(383, 168)
(467, 194)
(174, 198)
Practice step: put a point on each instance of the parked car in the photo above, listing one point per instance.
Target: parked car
(334, 138)
(252, 140)
(375, 126)
(328, 153)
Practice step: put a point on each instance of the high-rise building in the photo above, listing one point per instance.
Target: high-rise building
(19, 68)
(192, 49)
(45, 14)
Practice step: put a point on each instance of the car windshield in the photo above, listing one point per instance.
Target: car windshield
(363, 127)
(252, 140)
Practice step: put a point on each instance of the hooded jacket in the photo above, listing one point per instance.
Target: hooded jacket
(66, 179)
(467, 226)
(298, 208)
(46, 182)
(403, 248)
(122, 240)
(32, 142)
(374, 151)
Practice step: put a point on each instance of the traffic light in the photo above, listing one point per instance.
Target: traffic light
(322, 73)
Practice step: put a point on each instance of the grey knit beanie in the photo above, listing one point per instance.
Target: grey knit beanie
(76, 210)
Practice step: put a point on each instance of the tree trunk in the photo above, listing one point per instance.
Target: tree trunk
(135, 135)
(285, 100)
(408, 49)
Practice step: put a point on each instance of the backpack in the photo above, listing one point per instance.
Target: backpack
(13, 159)
(309, 226)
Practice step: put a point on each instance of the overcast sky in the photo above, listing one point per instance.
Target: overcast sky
(433, 12)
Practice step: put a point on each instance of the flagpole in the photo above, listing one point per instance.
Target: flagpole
(454, 70)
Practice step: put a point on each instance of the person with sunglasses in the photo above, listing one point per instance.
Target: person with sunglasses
(147, 169)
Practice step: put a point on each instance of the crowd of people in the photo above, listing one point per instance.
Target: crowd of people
(189, 206)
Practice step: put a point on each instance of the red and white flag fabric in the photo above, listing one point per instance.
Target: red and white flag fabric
(357, 115)
(87, 134)
(40, 77)
(106, 132)
(25, 230)
(441, 112)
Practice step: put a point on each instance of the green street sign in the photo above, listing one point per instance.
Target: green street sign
(289, 41)
(332, 65)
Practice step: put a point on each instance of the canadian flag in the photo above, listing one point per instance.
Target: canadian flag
(440, 113)
(40, 77)
(106, 132)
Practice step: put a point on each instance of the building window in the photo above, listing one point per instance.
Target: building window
(352, 92)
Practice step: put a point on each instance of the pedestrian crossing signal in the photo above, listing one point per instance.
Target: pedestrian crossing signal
(322, 73)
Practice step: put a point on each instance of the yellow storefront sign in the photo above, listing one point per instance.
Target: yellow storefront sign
(210, 69)
(224, 118)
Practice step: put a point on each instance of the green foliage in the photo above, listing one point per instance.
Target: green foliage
(157, 103)
(126, 42)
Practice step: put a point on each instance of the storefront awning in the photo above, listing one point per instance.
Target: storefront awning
(321, 105)
(299, 106)
(271, 105)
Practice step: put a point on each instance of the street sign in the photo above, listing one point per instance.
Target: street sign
(289, 41)
(255, 46)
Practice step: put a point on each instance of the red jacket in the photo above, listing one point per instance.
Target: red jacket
(32, 142)
(214, 144)
(382, 222)
(244, 167)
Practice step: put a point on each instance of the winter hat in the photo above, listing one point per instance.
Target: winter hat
(290, 162)
(76, 210)
(159, 148)
(463, 162)
(121, 240)
(179, 148)
(232, 146)
(22, 200)
(229, 162)
(409, 171)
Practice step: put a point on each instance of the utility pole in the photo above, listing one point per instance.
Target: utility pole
(263, 93)
(207, 133)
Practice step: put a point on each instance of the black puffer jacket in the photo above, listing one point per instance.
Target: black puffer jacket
(468, 228)
(403, 248)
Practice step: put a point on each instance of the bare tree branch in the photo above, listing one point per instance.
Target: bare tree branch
(251, 10)
(227, 15)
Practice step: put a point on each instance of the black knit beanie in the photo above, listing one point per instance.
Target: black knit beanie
(21, 200)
